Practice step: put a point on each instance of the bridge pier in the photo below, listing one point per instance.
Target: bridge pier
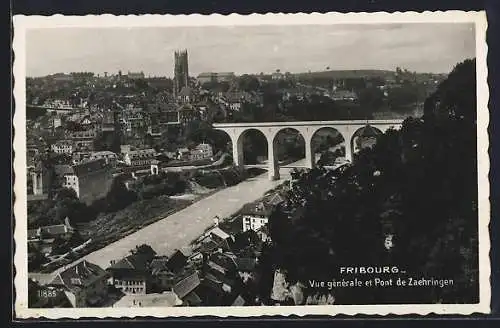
(273, 168)
(237, 151)
(310, 160)
(348, 150)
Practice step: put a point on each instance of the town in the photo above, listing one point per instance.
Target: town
(110, 154)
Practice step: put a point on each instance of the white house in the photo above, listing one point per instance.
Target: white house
(255, 215)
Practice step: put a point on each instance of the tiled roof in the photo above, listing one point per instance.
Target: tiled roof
(219, 233)
(177, 261)
(132, 262)
(54, 230)
(159, 264)
(80, 275)
(223, 261)
(186, 91)
(257, 208)
(187, 285)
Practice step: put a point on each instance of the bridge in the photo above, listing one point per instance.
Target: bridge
(347, 129)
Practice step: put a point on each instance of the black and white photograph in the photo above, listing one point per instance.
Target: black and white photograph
(267, 164)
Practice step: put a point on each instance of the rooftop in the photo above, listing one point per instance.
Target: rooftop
(187, 285)
(80, 275)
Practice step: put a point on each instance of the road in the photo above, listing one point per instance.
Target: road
(177, 230)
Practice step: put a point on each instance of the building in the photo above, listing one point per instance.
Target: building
(131, 274)
(277, 76)
(255, 215)
(62, 147)
(140, 157)
(41, 179)
(208, 77)
(186, 95)
(344, 95)
(201, 151)
(187, 285)
(63, 231)
(90, 180)
(84, 284)
(83, 140)
(108, 156)
(187, 113)
(108, 122)
(135, 75)
(181, 71)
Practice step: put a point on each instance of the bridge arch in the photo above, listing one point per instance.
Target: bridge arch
(325, 140)
(364, 137)
(254, 143)
(289, 144)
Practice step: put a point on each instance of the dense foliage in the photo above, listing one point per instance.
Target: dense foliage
(418, 184)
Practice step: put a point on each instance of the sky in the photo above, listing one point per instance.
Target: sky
(423, 47)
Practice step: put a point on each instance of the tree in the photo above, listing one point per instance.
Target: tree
(144, 250)
(248, 83)
(418, 184)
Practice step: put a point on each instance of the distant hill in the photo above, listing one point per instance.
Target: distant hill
(344, 74)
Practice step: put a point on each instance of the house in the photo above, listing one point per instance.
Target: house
(218, 235)
(140, 157)
(83, 283)
(135, 75)
(187, 113)
(183, 154)
(90, 180)
(344, 95)
(186, 95)
(207, 77)
(246, 267)
(255, 215)
(201, 151)
(277, 76)
(177, 261)
(108, 122)
(63, 231)
(184, 287)
(131, 274)
(83, 140)
(108, 156)
(162, 278)
(221, 264)
(62, 147)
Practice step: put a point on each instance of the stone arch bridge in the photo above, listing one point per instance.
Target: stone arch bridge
(270, 130)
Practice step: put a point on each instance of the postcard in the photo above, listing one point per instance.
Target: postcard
(277, 164)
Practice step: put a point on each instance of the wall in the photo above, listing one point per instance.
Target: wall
(94, 185)
(251, 222)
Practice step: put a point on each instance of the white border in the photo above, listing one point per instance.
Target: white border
(21, 23)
